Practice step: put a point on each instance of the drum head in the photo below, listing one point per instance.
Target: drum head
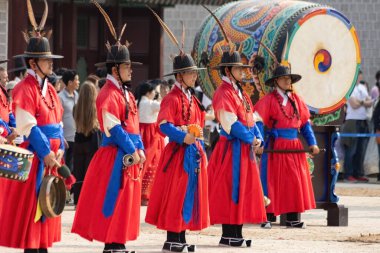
(14, 150)
(324, 49)
(52, 196)
(15, 162)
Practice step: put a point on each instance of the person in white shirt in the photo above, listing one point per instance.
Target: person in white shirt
(148, 102)
(356, 122)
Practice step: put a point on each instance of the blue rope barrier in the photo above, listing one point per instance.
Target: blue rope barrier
(358, 135)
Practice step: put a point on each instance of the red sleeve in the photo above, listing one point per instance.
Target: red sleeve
(169, 109)
(25, 96)
(224, 100)
(111, 105)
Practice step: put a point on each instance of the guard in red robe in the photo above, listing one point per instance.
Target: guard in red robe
(235, 190)
(286, 176)
(38, 114)
(108, 209)
(179, 199)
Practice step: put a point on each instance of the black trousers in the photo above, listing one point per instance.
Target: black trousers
(69, 155)
(176, 237)
(232, 230)
(83, 153)
(108, 246)
(35, 250)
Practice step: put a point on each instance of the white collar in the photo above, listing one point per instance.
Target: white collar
(113, 80)
(282, 94)
(116, 83)
(39, 80)
(229, 81)
(186, 92)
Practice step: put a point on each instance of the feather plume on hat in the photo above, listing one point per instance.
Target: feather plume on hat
(38, 29)
(170, 33)
(111, 27)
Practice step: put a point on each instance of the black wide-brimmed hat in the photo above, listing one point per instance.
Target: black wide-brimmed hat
(19, 64)
(117, 53)
(38, 45)
(231, 59)
(280, 71)
(183, 63)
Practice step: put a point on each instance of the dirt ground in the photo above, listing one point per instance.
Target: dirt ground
(361, 235)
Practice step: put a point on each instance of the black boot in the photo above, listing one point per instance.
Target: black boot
(232, 236)
(271, 217)
(190, 247)
(292, 221)
(174, 243)
(42, 250)
(30, 250)
(115, 248)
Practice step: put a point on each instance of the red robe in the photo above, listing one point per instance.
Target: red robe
(154, 145)
(250, 207)
(169, 188)
(289, 183)
(123, 225)
(17, 215)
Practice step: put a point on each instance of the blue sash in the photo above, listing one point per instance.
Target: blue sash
(236, 152)
(191, 165)
(114, 183)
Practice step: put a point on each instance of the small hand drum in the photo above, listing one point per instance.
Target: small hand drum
(15, 162)
(52, 196)
(195, 130)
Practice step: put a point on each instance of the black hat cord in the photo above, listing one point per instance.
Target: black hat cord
(189, 88)
(45, 75)
(125, 87)
(289, 99)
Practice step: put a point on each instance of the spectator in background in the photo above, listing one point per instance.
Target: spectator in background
(87, 135)
(375, 89)
(69, 97)
(55, 81)
(356, 122)
(59, 72)
(376, 124)
(165, 87)
(94, 79)
(19, 70)
(148, 102)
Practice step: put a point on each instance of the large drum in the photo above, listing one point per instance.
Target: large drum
(15, 162)
(319, 42)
